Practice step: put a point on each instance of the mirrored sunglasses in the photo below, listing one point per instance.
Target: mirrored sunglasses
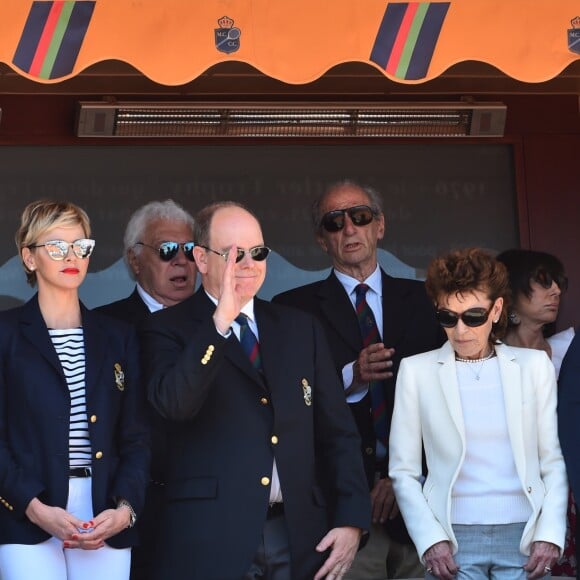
(168, 250)
(472, 317)
(360, 215)
(58, 249)
(257, 253)
(545, 280)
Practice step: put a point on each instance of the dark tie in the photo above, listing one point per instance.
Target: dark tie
(249, 341)
(370, 335)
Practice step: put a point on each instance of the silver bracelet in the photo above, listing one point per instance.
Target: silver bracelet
(132, 514)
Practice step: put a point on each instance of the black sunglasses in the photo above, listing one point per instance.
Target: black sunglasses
(360, 215)
(545, 280)
(472, 317)
(257, 253)
(168, 250)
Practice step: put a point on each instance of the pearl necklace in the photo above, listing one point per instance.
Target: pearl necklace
(480, 361)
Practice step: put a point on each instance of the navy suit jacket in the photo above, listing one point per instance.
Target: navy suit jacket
(409, 326)
(229, 422)
(134, 311)
(131, 309)
(569, 413)
(34, 420)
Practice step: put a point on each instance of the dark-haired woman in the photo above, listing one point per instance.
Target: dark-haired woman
(537, 282)
(73, 435)
(493, 503)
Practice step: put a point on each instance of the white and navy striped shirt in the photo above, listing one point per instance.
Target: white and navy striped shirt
(70, 348)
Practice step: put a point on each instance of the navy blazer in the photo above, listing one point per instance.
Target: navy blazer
(134, 312)
(34, 420)
(409, 326)
(229, 423)
(569, 413)
(131, 309)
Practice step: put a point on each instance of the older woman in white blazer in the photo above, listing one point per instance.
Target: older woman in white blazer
(492, 503)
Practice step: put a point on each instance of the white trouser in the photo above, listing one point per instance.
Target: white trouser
(50, 561)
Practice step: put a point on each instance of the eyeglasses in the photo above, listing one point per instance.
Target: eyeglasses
(545, 280)
(58, 249)
(360, 215)
(257, 253)
(168, 250)
(472, 317)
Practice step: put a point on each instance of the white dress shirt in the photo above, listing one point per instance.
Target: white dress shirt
(150, 302)
(374, 299)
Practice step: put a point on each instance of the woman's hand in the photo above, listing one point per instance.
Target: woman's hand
(439, 561)
(107, 524)
(53, 520)
(543, 556)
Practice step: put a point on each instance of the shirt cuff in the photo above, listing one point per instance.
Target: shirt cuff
(347, 377)
(226, 334)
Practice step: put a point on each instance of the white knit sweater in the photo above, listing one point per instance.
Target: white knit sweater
(487, 490)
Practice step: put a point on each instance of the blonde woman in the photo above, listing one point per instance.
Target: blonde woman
(73, 435)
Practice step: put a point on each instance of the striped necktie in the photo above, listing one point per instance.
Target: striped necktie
(249, 341)
(370, 335)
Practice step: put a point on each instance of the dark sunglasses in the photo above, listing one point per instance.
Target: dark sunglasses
(472, 317)
(168, 250)
(257, 253)
(360, 215)
(545, 280)
(58, 249)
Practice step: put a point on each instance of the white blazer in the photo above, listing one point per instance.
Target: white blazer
(428, 411)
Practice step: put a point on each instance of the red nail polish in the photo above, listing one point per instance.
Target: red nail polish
(85, 525)
(75, 537)
(66, 545)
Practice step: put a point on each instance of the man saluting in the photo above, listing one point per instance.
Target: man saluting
(265, 479)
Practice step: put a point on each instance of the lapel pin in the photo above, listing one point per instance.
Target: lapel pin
(307, 392)
(119, 377)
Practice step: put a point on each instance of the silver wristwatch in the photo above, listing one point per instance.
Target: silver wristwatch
(132, 514)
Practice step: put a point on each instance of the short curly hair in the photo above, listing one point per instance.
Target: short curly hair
(468, 270)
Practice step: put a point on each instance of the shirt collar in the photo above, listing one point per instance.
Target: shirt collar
(374, 281)
(150, 302)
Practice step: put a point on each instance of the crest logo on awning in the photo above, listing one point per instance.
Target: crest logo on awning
(574, 35)
(227, 36)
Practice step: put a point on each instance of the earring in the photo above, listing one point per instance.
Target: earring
(514, 318)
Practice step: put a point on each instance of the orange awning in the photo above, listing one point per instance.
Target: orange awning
(296, 41)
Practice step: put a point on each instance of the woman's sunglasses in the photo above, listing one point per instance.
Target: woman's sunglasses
(58, 249)
(360, 215)
(257, 253)
(472, 317)
(168, 250)
(545, 280)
